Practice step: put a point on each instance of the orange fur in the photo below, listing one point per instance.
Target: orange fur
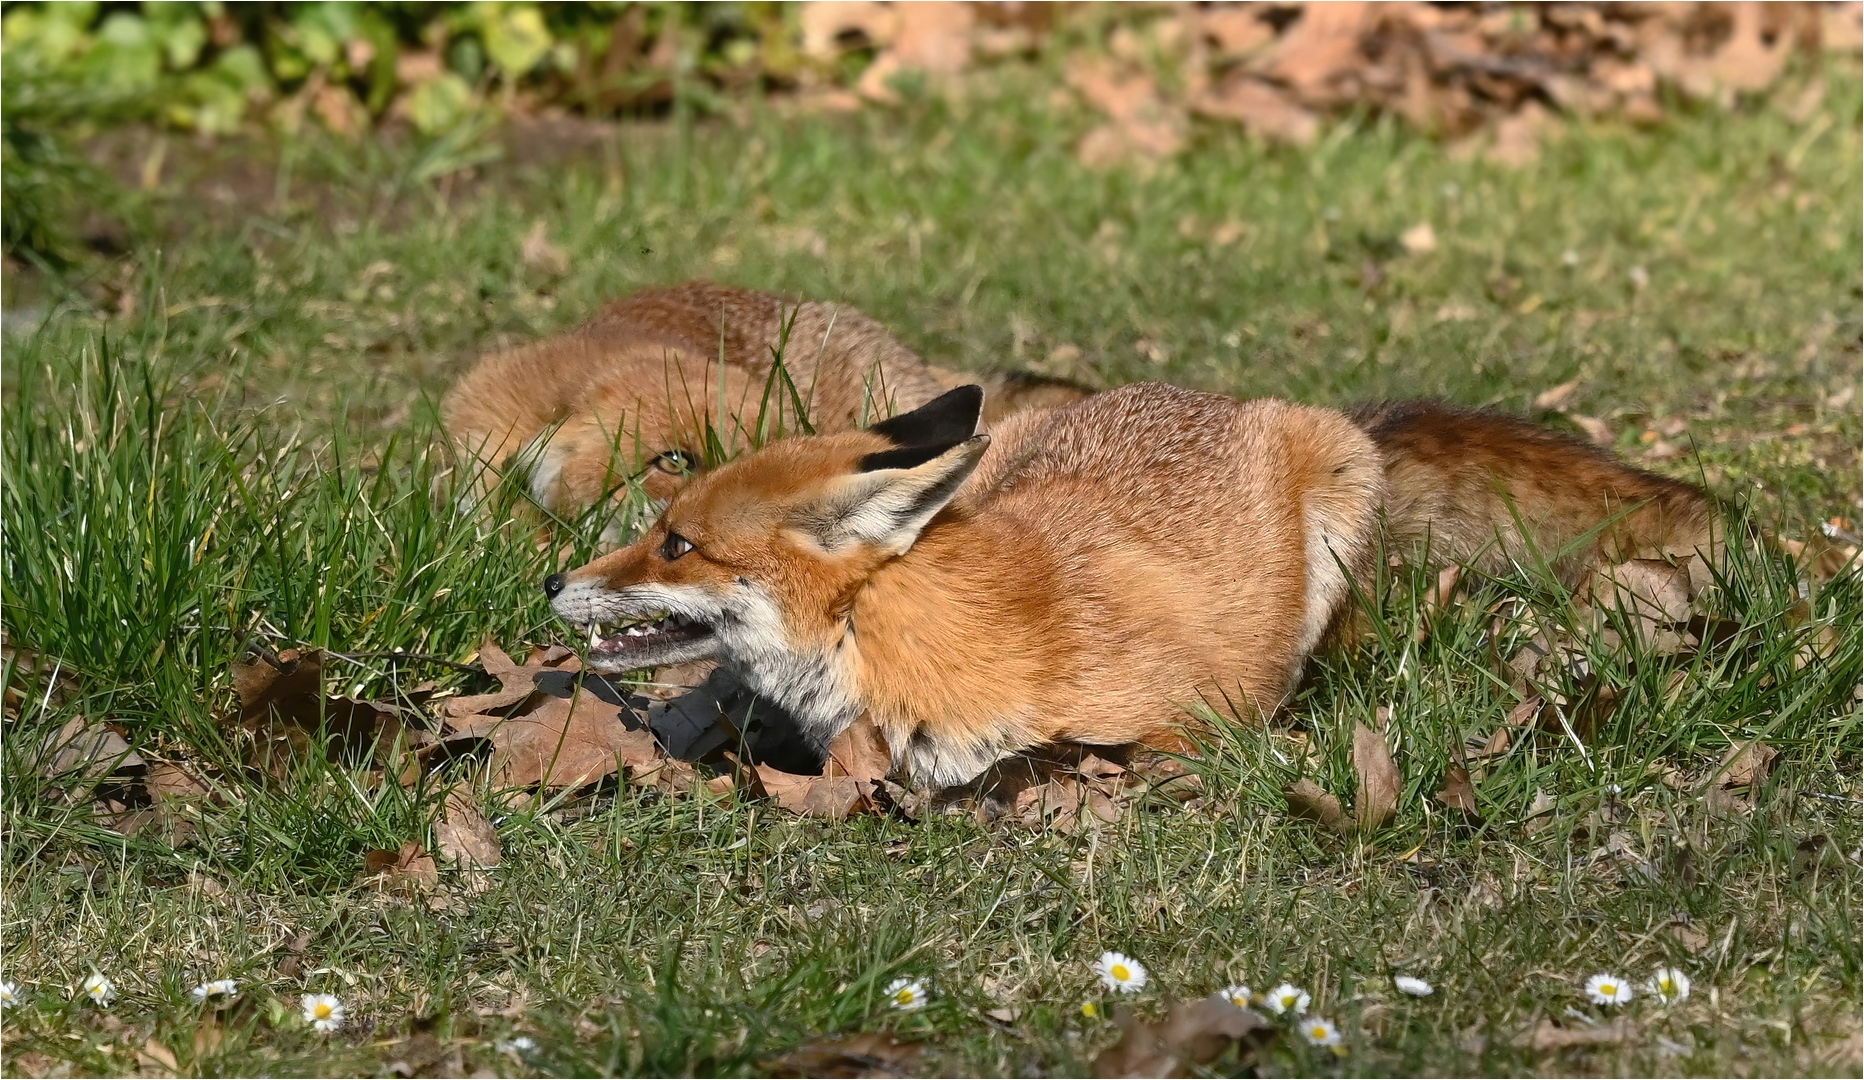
(1104, 565)
(1485, 489)
(655, 371)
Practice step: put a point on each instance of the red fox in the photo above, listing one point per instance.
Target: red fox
(1079, 574)
(641, 391)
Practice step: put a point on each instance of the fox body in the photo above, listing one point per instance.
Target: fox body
(640, 392)
(1083, 573)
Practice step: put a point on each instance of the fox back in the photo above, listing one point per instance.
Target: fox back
(645, 388)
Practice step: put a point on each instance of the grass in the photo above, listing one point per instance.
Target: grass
(230, 432)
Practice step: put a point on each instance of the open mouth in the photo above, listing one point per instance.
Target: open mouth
(652, 642)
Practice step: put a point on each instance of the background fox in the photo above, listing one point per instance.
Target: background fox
(1084, 572)
(642, 389)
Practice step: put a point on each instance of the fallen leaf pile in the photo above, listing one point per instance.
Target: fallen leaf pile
(1503, 70)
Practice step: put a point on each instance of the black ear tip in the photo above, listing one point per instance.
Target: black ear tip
(949, 418)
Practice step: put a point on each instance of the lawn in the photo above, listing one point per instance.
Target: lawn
(228, 433)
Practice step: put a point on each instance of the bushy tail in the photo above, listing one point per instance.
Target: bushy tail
(1488, 490)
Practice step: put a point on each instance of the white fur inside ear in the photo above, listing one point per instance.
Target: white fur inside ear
(888, 507)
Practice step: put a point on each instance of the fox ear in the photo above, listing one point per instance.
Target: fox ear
(896, 492)
(944, 421)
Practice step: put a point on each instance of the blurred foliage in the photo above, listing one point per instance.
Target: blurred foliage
(210, 66)
(442, 68)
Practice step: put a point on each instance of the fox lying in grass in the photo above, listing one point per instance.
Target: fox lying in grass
(1081, 573)
(663, 379)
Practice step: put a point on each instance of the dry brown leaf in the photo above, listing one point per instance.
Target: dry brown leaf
(1379, 780)
(1548, 1035)
(1819, 556)
(293, 961)
(1539, 813)
(1651, 592)
(1747, 764)
(1262, 109)
(176, 780)
(407, 870)
(1458, 793)
(1193, 1034)
(552, 730)
(831, 27)
(934, 38)
(1144, 125)
(569, 743)
(540, 254)
(860, 751)
(1689, 937)
(155, 1056)
(205, 885)
(1518, 137)
(339, 110)
(1746, 61)
(84, 752)
(1234, 30)
(208, 1035)
(517, 682)
(1307, 800)
(873, 1053)
(283, 707)
(829, 797)
(464, 836)
(159, 820)
(1320, 48)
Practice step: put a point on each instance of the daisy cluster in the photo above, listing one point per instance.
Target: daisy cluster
(1668, 985)
(323, 1012)
(1122, 974)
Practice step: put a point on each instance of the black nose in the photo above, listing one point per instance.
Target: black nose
(553, 585)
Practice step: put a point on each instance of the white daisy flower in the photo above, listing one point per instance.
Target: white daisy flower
(323, 1012)
(9, 994)
(1120, 972)
(1090, 1010)
(1288, 998)
(216, 988)
(1319, 1031)
(1410, 984)
(99, 989)
(1237, 994)
(1609, 990)
(907, 993)
(517, 1044)
(1668, 985)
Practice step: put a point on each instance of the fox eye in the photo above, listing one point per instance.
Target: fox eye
(674, 546)
(676, 461)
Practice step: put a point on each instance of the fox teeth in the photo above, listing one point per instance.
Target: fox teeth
(595, 634)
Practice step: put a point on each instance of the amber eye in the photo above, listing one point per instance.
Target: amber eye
(675, 546)
(677, 462)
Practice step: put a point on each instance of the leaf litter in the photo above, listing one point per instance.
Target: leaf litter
(1493, 79)
(551, 727)
(1192, 1036)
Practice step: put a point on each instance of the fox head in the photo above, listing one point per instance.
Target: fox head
(757, 563)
